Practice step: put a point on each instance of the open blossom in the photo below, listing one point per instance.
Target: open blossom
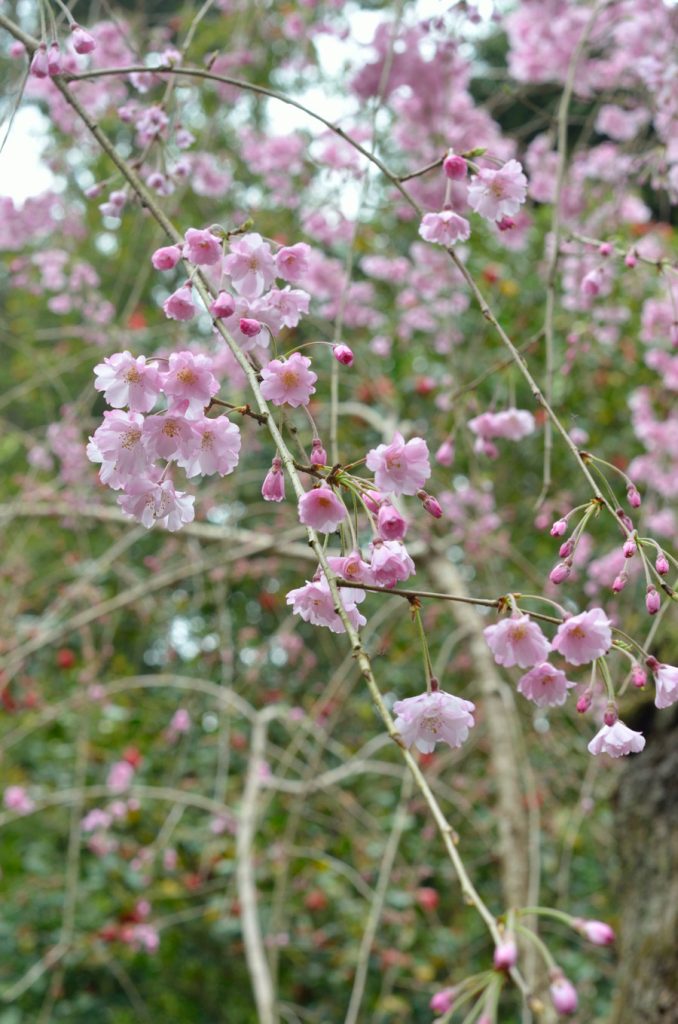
(168, 437)
(545, 685)
(179, 305)
(351, 567)
(117, 444)
(444, 228)
(666, 683)
(511, 424)
(500, 193)
(517, 641)
(201, 247)
(150, 502)
(400, 467)
(189, 383)
(216, 447)
(616, 740)
(251, 265)
(315, 604)
(321, 509)
(128, 380)
(584, 637)
(288, 381)
(433, 718)
(390, 563)
(292, 261)
(281, 307)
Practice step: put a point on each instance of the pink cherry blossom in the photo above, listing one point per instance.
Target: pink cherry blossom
(443, 1000)
(288, 381)
(444, 228)
(273, 487)
(584, 637)
(351, 567)
(292, 261)
(616, 740)
(597, 932)
(168, 436)
(223, 306)
(455, 167)
(83, 41)
(128, 380)
(343, 355)
(390, 562)
(179, 305)
(150, 502)
(216, 447)
(189, 382)
(434, 717)
(517, 641)
(505, 954)
(666, 683)
(315, 604)
(545, 685)
(321, 509)
(250, 265)
(511, 424)
(390, 523)
(120, 777)
(495, 194)
(15, 798)
(400, 467)
(201, 247)
(281, 307)
(117, 445)
(166, 258)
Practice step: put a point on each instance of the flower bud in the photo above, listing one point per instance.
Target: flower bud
(563, 995)
(39, 67)
(443, 1001)
(653, 601)
(54, 59)
(506, 224)
(611, 715)
(566, 549)
(597, 932)
(249, 327)
(638, 676)
(633, 495)
(630, 259)
(318, 453)
(626, 520)
(390, 524)
(605, 249)
(584, 703)
(620, 582)
(505, 955)
(559, 528)
(343, 354)
(590, 285)
(82, 41)
(430, 504)
(273, 487)
(454, 167)
(166, 258)
(560, 573)
(445, 454)
(629, 548)
(662, 564)
(223, 306)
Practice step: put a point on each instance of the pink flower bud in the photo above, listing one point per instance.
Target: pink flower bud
(318, 453)
(590, 285)
(626, 520)
(638, 676)
(454, 167)
(223, 306)
(629, 548)
(605, 249)
(597, 932)
(653, 664)
(633, 495)
(559, 573)
(166, 258)
(662, 564)
(390, 524)
(249, 327)
(505, 955)
(630, 259)
(343, 355)
(506, 224)
(273, 487)
(611, 715)
(17, 49)
(566, 549)
(653, 601)
(430, 504)
(559, 528)
(54, 59)
(445, 454)
(584, 703)
(620, 582)
(564, 995)
(443, 1001)
(39, 67)
(82, 41)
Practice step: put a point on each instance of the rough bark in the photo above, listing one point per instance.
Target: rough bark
(647, 836)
